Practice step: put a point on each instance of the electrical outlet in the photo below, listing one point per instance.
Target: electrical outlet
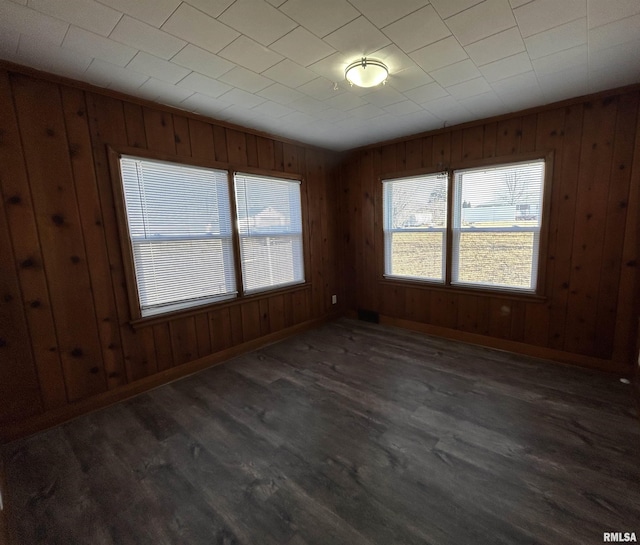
(334, 299)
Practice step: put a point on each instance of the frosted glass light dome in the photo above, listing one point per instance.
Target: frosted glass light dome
(366, 72)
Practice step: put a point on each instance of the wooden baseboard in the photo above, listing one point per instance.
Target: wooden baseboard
(4, 524)
(12, 431)
(511, 346)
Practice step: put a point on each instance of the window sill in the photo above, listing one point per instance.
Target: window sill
(138, 323)
(466, 290)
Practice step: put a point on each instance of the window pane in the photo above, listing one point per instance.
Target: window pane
(179, 222)
(417, 254)
(496, 223)
(499, 259)
(415, 219)
(270, 227)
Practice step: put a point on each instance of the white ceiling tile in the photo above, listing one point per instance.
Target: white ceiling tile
(485, 19)
(202, 61)
(470, 88)
(204, 104)
(555, 88)
(368, 111)
(557, 39)
(321, 18)
(245, 79)
(280, 93)
(383, 12)
(238, 97)
(358, 38)
(558, 62)
(272, 109)
(86, 14)
(426, 93)
(199, 29)
(258, 20)
(276, 3)
(161, 91)
(250, 54)
(410, 78)
(613, 34)
(517, 3)
(211, 7)
(309, 105)
(445, 108)
(157, 68)
(320, 89)
(518, 92)
(142, 36)
(154, 12)
(614, 73)
(500, 45)
(50, 57)
(332, 67)
(345, 101)
(447, 8)
(455, 73)
(204, 85)
(439, 54)
(395, 59)
(31, 23)
(332, 114)
(505, 68)
(417, 29)
(98, 46)
(384, 95)
(601, 12)
(289, 73)
(8, 43)
(485, 105)
(104, 74)
(541, 15)
(302, 47)
(405, 107)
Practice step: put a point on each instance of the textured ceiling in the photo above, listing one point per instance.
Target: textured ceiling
(278, 65)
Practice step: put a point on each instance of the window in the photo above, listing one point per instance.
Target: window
(493, 239)
(270, 229)
(415, 222)
(179, 226)
(196, 234)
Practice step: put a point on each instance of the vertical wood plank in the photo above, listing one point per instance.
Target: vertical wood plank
(162, 342)
(413, 154)
(278, 154)
(42, 128)
(203, 335)
(181, 135)
(136, 134)
(252, 150)
(92, 225)
(220, 329)
(184, 340)
(236, 147)
(265, 320)
(19, 388)
(276, 313)
(291, 157)
(235, 317)
(591, 209)
(159, 129)
(27, 255)
(250, 320)
(201, 139)
(266, 155)
(473, 142)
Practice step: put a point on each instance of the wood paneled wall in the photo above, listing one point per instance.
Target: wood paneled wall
(590, 310)
(64, 313)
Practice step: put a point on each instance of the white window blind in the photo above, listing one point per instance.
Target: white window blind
(270, 229)
(496, 225)
(415, 223)
(179, 222)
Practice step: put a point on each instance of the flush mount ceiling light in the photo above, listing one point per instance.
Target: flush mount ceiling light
(366, 72)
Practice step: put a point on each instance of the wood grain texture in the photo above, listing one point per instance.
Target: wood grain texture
(67, 270)
(350, 433)
(593, 202)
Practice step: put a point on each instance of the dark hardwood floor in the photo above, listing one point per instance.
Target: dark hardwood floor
(349, 434)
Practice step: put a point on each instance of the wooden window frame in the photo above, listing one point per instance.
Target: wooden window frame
(538, 294)
(136, 318)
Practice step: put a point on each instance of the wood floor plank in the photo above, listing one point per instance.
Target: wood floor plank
(352, 433)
